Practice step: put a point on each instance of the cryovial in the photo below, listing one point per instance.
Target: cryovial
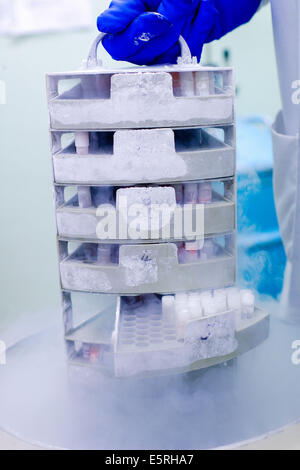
(86, 350)
(84, 197)
(209, 304)
(234, 302)
(204, 84)
(181, 252)
(233, 299)
(190, 193)
(82, 142)
(168, 307)
(182, 312)
(205, 193)
(181, 298)
(248, 303)
(104, 254)
(179, 193)
(95, 354)
(220, 299)
(191, 252)
(187, 84)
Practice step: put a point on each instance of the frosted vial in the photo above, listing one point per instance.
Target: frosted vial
(220, 299)
(86, 351)
(191, 252)
(209, 304)
(181, 252)
(182, 311)
(168, 307)
(234, 302)
(204, 85)
(205, 193)
(182, 317)
(233, 299)
(187, 84)
(179, 193)
(191, 193)
(95, 354)
(104, 254)
(181, 298)
(248, 303)
(82, 143)
(84, 197)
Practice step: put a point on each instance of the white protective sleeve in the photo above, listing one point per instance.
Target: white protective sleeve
(285, 133)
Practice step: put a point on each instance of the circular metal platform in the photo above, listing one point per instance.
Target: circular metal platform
(249, 397)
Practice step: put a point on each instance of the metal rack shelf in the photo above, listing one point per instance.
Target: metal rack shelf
(141, 99)
(147, 133)
(143, 156)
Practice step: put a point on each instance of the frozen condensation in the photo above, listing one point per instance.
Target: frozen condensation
(142, 99)
(140, 270)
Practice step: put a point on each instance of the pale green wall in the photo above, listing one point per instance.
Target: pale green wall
(28, 266)
(253, 57)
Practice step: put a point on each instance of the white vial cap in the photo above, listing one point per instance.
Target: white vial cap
(233, 298)
(82, 141)
(248, 302)
(220, 300)
(209, 305)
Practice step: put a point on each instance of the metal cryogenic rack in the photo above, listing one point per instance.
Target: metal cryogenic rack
(151, 135)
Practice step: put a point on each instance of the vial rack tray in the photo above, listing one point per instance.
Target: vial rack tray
(143, 269)
(249, 333)
(141, 98)
(143, 156)
(73, 221)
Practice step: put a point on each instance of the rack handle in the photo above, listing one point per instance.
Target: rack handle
(93, 61)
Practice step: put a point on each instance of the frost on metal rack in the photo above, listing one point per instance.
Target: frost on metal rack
(150, 337)
(82, 212)
(140, 269)
(151, 136)
(143, 156)
(172, 96)
(154, 333)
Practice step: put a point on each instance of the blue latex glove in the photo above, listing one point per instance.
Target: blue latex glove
(146, 32)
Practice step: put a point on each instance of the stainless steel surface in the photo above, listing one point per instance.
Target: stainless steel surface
(222, 406)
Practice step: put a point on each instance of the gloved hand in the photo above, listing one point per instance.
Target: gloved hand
(146, 32)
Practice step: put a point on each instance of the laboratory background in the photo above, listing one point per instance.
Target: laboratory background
(32, 45)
